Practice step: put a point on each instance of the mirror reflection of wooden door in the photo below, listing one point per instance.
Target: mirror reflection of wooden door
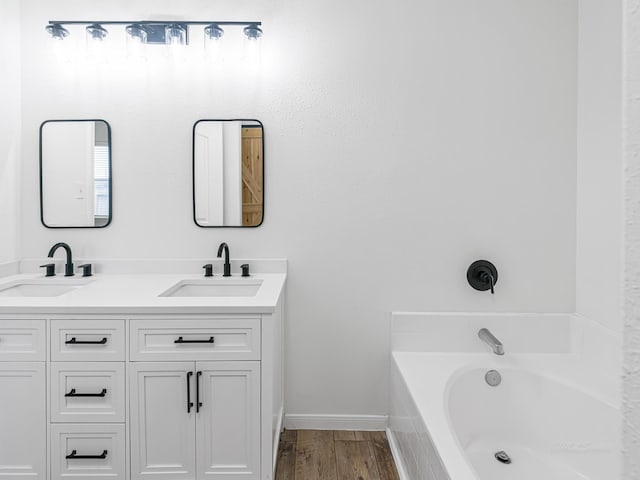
(252, 176)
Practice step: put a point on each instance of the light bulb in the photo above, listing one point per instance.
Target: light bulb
(136, 42)
(213, 43)
(96, 37)
(58, 34)
(252, 44)
(175, 39)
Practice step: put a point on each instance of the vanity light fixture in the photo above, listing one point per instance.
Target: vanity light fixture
(137, 32)
(174, 33)
(57, 31)
(253, 32)
(96, 32)
(213, 32)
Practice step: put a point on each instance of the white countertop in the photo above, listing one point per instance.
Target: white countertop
(107, 293)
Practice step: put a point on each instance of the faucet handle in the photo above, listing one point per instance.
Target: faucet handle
(245, 270)
(208, 270)
(86, 270)
(482, 275)
(51, 269)
(487, 277)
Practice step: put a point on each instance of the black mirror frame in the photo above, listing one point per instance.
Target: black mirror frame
(193, 170)
(110, 172)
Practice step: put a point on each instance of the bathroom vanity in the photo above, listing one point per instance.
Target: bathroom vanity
(126, 376)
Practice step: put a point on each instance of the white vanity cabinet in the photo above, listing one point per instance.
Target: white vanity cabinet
(23, 427)
(87, 431)
(199, 416)
(175, 396)
(195, 420)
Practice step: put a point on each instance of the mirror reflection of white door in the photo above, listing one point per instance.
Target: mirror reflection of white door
(218, 185)
(68, 183)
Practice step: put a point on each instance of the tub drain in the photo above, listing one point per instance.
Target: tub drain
(502, 457)
(493, 378)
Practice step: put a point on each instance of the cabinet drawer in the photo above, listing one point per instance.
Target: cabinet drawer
(87, 340)
(22, 340)
(72, 444)
(202, 339)
(87, 392)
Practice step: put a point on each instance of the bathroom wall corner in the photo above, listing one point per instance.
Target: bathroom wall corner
(631, 366)
(10, 130)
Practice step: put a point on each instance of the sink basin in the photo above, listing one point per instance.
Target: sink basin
(214, 288)
(39, 288)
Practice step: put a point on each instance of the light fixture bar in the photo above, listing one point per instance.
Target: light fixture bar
(150, 22)
(173, 33)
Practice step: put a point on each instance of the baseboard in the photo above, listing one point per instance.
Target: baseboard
(397, 458)
(336, 422)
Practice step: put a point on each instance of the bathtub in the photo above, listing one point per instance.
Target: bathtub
(554, 418)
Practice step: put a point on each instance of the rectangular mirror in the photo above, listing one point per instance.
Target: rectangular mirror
(75, 174)
(228, 173)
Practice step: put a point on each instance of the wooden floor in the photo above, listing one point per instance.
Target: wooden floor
(334, 455)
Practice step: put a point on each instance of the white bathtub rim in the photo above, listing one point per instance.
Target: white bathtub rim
(453, 459)
(436, 420)
(571, 383)
(547, 376)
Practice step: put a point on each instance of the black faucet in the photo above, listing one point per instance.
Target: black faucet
(227, 265)
(68, 267)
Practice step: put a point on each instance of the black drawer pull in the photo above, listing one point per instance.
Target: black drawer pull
(198, 402)
(73, 341)
(74, 455)
(182, 340)
(73, 393)
(189, 402)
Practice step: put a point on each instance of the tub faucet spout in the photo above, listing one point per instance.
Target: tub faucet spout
(490, 339)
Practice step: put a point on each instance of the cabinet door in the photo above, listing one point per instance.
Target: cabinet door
(23, 447)
(162, 430)
(228, 423)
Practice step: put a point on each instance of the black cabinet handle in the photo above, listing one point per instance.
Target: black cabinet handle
(73, 341)
(182, 340)
(198, 402)
(72, 393)
(74, 455)
(189, 402)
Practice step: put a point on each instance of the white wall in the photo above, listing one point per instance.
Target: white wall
(394, 159)
(10, 140)
(599, 213)
(599, 239)
(631, 370)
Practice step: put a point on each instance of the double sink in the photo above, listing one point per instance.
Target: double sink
(183, 288)
(40, 288)
(50, 286)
